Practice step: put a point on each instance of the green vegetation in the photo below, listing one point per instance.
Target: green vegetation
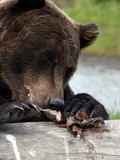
(115, 116)
(106, 13)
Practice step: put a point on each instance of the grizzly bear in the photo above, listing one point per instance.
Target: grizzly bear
(39, 50)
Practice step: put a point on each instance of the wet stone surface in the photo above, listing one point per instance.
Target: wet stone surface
(99, 77)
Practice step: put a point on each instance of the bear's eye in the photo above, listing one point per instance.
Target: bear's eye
(50, 59)
(68, 73)
(46, 60)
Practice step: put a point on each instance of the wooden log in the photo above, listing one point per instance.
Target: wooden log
(47, 141)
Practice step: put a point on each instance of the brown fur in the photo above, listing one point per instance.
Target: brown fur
(39, 50)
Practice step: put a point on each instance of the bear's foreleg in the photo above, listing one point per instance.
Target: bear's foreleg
(83, 103)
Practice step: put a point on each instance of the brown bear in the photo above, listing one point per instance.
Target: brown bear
(39, 50)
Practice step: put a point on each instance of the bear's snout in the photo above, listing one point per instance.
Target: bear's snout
(56, 103)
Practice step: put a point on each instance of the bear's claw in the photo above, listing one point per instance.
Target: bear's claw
(84, 103)
(15, 111)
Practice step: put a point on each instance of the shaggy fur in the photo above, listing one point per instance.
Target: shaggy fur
(39, 50)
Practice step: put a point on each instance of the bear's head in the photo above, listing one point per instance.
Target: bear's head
(40, 47)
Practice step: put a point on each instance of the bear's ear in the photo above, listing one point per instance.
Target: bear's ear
(32, 3)
(88, 34)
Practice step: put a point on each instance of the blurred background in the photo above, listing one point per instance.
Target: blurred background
(98, 70)
(106, 13)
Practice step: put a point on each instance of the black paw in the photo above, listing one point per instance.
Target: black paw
(15, 111)
(86, 105)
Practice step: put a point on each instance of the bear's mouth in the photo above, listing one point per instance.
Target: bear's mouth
(38, 105)
(57, 104)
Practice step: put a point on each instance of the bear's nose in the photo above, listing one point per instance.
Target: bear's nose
(56, 103)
